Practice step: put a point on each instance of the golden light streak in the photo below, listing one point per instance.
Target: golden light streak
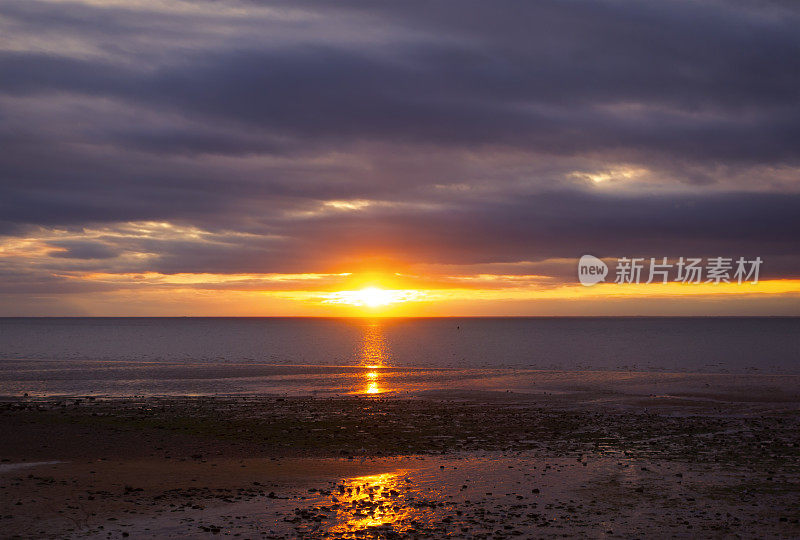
(766, 297)
(380, 287)
(372, 297)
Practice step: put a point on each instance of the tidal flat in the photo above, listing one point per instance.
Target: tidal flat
(449, 464)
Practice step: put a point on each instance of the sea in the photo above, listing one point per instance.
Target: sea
(339, 356)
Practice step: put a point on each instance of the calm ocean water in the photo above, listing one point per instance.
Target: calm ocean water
(146, 356)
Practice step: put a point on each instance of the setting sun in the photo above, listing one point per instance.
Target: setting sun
(372, 297)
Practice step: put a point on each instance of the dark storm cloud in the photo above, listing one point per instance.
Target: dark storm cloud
(466, 121)
(542, 226)
(435, 94)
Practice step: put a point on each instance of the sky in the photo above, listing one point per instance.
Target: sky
(454, 158)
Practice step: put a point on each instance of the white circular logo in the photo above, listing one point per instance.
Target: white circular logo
(591, 270)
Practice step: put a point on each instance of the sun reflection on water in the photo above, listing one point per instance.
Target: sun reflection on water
(374, 355)
(370, 501)
(399, 503)
(372, 382)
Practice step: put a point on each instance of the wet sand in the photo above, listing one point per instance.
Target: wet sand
(704, 456)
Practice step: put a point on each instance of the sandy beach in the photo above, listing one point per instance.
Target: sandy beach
(586, 455)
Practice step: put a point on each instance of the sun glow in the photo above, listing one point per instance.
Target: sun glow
(372, 297)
